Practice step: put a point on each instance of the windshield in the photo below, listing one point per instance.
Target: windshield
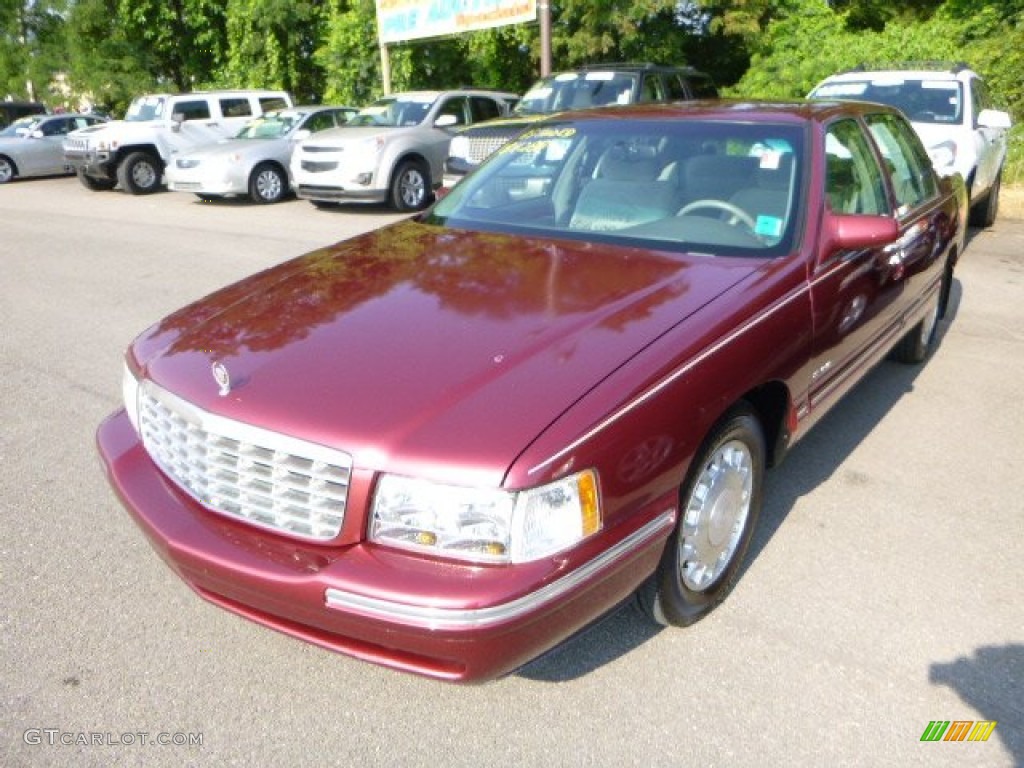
(923, 101)
(572, 90)
(272, 125)
(22, 126)
(145, 108)
(710, 186)
(395, 111)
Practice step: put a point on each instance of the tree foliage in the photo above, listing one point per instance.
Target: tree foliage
(107, 51)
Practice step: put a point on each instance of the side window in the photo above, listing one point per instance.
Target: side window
(703, 87)
(270, 103)
(853, 182)
(55, 127)
(319, 121)
(235, 107)
(651, 88)
(456, 107)
(907, 164)
(484, 108)
(192, 110)
(676, 87)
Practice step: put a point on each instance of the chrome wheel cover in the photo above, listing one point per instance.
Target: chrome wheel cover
(715, 515)
(412, 188)
(6, 171)
(144, 175)
(268, 185)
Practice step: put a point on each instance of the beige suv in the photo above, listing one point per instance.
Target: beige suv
(134, 152)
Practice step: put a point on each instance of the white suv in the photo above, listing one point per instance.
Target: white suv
(134, 152)
(392, 151)
(948, 105)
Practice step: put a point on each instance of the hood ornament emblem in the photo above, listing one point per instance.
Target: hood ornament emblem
(222, 377)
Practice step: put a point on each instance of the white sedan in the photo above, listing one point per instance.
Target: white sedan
(254, 163)
(31, 146)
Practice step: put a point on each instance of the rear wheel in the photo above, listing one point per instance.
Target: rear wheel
(139, 173)
(7, 170)
(984, 213)
(94, 183)
(720, 504)
(268, 183)
(915, 346)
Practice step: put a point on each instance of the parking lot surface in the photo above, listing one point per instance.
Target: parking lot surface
(883, 591)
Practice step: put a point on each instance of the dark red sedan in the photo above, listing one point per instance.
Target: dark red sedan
(447, 445)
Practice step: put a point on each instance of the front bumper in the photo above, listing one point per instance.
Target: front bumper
(332, 194)
(90, 162)
(454, 621)
(219, 184)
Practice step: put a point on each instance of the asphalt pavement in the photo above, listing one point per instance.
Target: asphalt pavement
(884, 590)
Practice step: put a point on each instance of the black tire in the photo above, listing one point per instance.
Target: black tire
(95, 184)
(410, 187)
(7, 169)
(139, 173)
(720, 503)
(915, 347)
(268, 183)
(984, 213)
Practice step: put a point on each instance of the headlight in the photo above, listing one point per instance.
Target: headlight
(943, 155)
(485, 525)
(459, 147)
(130, 392)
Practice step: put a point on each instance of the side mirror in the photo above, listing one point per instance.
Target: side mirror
(845, 232)
(445, 121)
(994, 118)
(36, 134)
(177, 119)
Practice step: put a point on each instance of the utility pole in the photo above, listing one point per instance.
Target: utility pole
(545, 37)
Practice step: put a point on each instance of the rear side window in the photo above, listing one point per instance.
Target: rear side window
(193, 110)
(906, 162)
(484, 108)
(650, 89)
(676, 88)
(235, 107)
(270, 103)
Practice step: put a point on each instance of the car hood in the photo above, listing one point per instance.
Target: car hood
(419, 348)
(228, 147)
(347, 134)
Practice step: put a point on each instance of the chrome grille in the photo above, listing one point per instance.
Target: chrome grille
(482, 147)
(76, 145)
(265, 478)
(313, 167)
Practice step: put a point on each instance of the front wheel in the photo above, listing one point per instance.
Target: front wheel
(95, 184)
(719, 506)
(139, 173)
(267, 184)
(410, 187)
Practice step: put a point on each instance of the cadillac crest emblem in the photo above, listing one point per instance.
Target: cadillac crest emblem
(222, 377)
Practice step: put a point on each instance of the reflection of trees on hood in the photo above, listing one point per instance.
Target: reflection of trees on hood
(992, 683)
(473, 274)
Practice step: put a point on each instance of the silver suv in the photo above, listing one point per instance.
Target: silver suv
(949, 107)
(134, 152)
(594, 85)
(393, 151)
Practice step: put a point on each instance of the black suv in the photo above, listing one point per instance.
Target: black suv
(595, 85)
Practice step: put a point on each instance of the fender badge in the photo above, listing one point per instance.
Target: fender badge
(222, 377)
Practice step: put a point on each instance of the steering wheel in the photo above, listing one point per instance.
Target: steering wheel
(738, 214)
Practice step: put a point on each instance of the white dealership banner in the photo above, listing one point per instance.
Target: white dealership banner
(399, 20)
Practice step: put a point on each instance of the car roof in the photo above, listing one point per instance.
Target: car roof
(915, 70)
(795, 110)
